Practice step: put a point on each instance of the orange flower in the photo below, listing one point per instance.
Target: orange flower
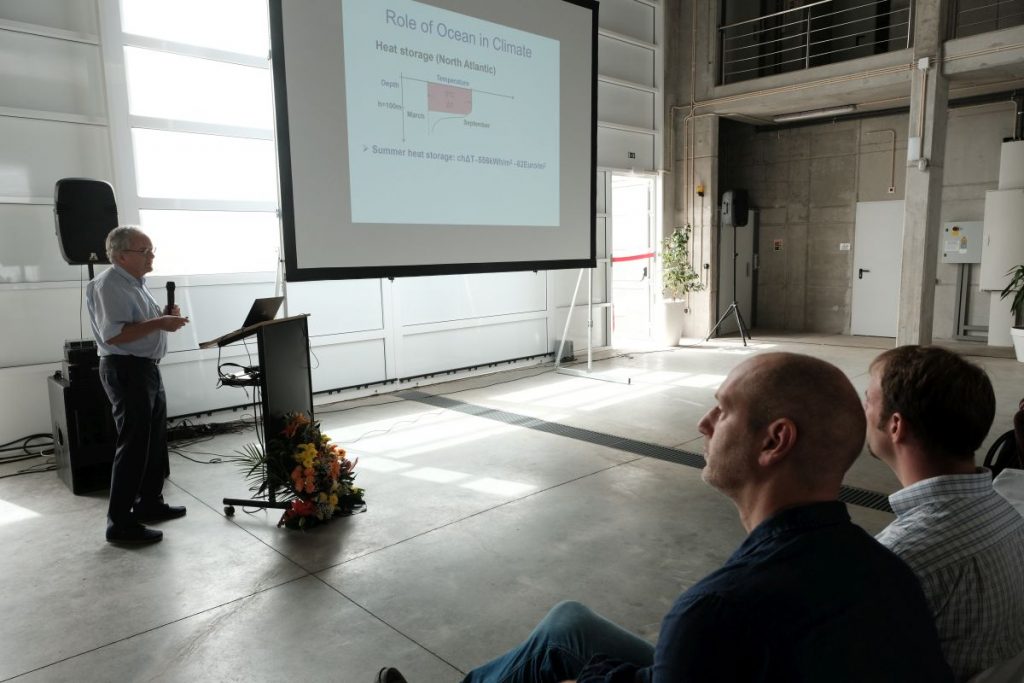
(294, 424)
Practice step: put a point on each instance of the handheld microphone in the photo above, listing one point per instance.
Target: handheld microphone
(170, 298)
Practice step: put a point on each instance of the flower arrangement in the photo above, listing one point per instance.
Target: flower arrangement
(315, 474)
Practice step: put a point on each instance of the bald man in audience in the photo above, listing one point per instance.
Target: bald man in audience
(808, 596)
(928, 411)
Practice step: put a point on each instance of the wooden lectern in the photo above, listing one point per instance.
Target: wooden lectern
(283, 381)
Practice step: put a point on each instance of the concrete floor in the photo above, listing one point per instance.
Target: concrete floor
(474, 529)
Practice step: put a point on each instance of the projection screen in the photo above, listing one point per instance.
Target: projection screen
(435, 136)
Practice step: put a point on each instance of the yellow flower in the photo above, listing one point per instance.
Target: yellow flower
(305, 454)
(333, 500)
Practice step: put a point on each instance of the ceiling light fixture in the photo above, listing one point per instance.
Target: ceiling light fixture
(815, 114)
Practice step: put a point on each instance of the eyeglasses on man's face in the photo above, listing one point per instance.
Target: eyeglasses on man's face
(144, 252)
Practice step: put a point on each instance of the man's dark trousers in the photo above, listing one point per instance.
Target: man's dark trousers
(139, 406)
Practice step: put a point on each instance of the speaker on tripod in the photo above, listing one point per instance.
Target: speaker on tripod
(735, 208)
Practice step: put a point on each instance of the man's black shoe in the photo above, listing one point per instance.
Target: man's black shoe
(133, 534)
(158, 513)
(389, 675)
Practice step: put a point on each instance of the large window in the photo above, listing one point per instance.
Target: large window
(202, 169)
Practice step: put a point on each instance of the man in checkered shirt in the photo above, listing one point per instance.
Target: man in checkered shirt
(928, 411)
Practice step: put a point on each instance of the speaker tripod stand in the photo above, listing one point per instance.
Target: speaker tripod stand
(733, 308)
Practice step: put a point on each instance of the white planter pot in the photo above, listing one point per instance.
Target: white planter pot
(1017, 333)
(670, 323)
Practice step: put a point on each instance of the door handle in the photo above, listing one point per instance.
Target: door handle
(644, 276)
(860, 273)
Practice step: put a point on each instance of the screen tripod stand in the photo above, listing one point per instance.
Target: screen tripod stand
(734, 308)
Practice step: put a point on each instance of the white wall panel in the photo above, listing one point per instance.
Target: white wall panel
(578, 329)
(445, 349)
(629, 18)
(35, 154)
(213, 310)
(50, 75)
(191, 378)
(628, 106)
(36, 323)
(29, 249)
(565, 281)
(191, 386)
(625, 61)
(346, 364)
(338, 306)
(68, 15)
(614, 148)
(1002, 246)
(460, 297)
(26, 404)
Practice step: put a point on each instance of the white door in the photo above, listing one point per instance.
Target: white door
(744, 251)
(633, 213)
(877, 255)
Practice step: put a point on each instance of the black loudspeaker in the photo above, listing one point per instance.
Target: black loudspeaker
(85, 212)
(84, 435)
(735, 207)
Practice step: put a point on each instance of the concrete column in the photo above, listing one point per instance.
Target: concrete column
(701, 161)
(929, 100)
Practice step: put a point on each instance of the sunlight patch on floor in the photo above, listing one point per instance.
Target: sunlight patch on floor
(10, 513)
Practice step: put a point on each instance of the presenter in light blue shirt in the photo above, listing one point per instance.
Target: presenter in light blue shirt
(131, 329)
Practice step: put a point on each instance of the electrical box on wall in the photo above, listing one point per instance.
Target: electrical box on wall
(961, 241)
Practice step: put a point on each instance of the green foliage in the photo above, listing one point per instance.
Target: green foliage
(1016, 288)
(260, 471)
(677, 274)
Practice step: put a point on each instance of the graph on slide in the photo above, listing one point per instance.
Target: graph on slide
(453, 107)
(427, 105)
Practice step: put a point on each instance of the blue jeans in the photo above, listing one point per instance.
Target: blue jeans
(560, 646)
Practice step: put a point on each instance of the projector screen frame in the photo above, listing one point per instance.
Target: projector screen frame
(295, 273)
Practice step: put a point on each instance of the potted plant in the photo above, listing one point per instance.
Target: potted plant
(678, 278)
(677, 273)
(1016, 288)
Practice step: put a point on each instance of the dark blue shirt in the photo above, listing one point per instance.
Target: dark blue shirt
(808, 596)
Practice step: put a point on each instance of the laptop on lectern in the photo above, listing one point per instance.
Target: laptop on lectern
(263, 310)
